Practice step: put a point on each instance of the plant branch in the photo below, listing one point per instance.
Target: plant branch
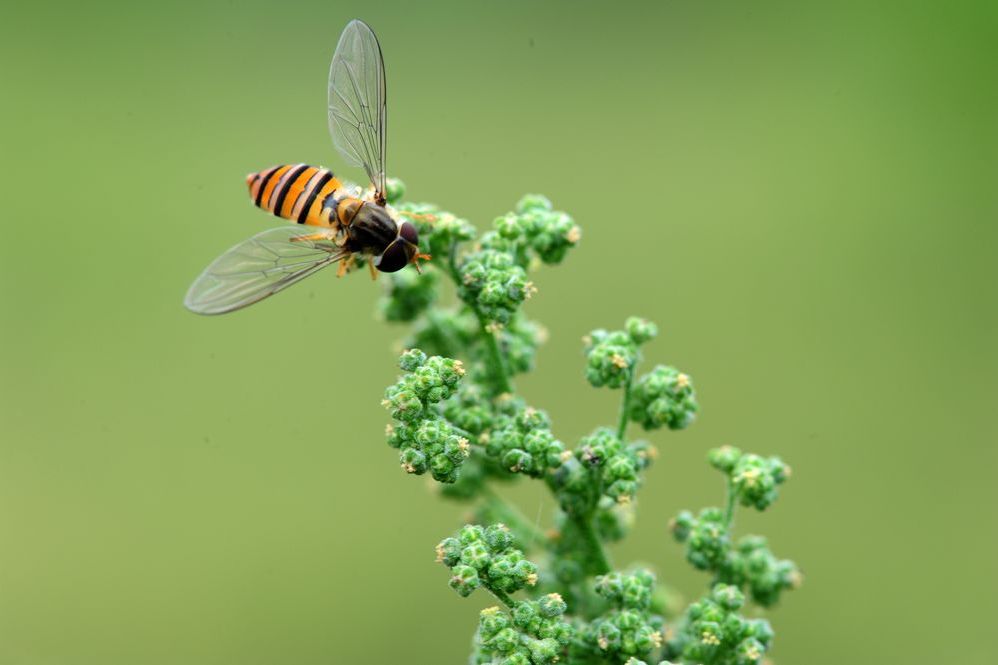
(729, 513)
(496, 365)
(501, 596)
(625, 405)
(508, 513)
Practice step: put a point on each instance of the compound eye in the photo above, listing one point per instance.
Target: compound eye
(408, 233)
(393, 259)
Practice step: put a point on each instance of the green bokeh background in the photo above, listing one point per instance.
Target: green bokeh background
(802, 195)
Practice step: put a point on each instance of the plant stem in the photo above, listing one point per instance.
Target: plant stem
(496, 365)
(729, 513)
(584, 524)
(507, 513)
(625, 405)
(501, 596)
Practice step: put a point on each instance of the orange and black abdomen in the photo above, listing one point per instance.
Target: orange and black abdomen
(297, 192)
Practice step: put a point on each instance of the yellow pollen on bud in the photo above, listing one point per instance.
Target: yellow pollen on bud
(682, 380)
(749, 477)
(624, 499)
(796, 579)
(574, 235)
(529, 290)
(494, 327)
(532, 579)
(565, 455)
(619, 360)
(440, 553)
(459, 367)
(464, 445)
(603, 643)
(710, 638)
(491, 611)
(555, 597)
(484, 438)
(385, 403)
(389, 429)
(587, 340)
(656, 638)
(408, 468)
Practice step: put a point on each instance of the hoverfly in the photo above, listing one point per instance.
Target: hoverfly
(341, 222)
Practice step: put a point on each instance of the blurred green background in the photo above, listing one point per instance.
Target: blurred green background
(802, 195)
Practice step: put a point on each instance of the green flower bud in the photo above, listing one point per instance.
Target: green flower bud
(505, 640)
(728, 597)
(552, 605)
(610, 360)
(756, 478)
(394, 190)
(663, 396)
(476, 555)
(464, 580)
(724, 458)
(411, 359)
(749, 652)
(533, 203)
(682, 525)
(544, 651)
(640, 330)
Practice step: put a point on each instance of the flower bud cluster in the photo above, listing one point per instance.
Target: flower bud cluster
(747, 564)
(426, 442)
(752, 565)
(706, 537)
(534, 633)
(485, 556)
(535, 226)
(754, 478)
(521, 440)
(663, 396)
(618, 465)
(610, 358)
(628, 628)
(493, 284)
(713, 631)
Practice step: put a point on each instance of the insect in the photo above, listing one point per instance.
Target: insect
(333, 224)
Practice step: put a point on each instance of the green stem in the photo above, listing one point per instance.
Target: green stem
(507, 513)
(583, 523)
(729, 513)
(501, 596)
(625, 405)
(598, 558)
(496, 366)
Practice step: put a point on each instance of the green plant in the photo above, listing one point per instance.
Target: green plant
(457, 417)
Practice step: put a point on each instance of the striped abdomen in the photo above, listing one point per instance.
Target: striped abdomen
(298, 192)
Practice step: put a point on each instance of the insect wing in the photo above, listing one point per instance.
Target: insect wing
(357, 113)
(261, 266)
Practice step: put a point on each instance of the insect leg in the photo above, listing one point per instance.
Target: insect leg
(345, 266)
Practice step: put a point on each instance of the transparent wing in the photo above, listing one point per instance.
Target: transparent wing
(260, 266)
(357, 113)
